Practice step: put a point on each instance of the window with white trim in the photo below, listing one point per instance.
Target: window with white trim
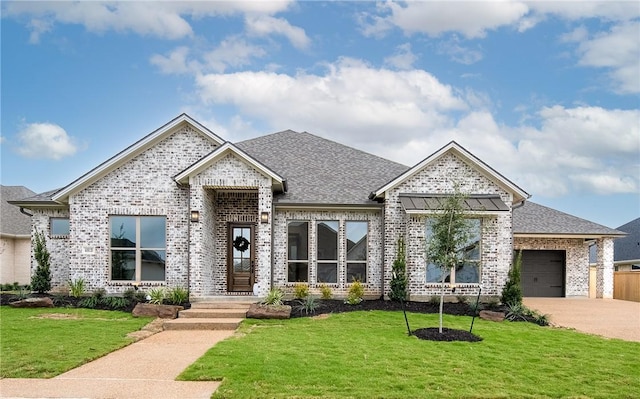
(298, 252)
(327, 251)
(138, 248)
(356, 237)
(468, 271)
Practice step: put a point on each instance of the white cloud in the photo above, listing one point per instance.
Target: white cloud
(617, 50)
(458, 53)
(232, 52)
(45, 141)
(161, 19)
(264, 25)
(403, 57)
(175, 62)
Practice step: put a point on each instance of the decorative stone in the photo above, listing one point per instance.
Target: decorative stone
(153, 310)
(44, 302)
(491, 315)
(259, 311)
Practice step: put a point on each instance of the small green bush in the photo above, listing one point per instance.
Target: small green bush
(157, 295)
(129, 293)
(274, 297)
(355, 294)
(41, 279)
(326, 292)
(512, 291)
(434, 300)
(140, 296)
(399, 279)
(76, 287)
(178, 296)
(308, 305)
(462, 299)
(300, 291)
(116, 302)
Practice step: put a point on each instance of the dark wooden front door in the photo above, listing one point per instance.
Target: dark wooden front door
(241, 259)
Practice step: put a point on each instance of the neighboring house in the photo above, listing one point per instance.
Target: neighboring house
(184, 208)
(626, 250)
(15, 238)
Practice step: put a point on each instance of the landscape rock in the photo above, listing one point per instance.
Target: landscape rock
(44, 302)
(153, 310)
(259, 311)
(491, 315)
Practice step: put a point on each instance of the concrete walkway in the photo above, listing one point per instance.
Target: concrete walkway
(144, 369)
(611, 318)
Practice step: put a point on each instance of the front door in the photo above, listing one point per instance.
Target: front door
(240, 265)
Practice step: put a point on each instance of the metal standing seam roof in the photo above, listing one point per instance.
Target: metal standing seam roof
(12, 221)
(473, 203)
(321, 171)
(532, 218)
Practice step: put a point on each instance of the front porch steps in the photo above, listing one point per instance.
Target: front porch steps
(211, 314)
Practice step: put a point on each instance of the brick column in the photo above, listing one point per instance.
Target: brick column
(604, 268)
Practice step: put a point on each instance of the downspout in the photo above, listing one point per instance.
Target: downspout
(25, 212)
(384, 245)
(273, 217)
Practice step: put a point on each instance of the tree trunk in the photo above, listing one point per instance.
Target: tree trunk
(441, 303)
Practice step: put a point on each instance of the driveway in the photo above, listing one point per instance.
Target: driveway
(611, 318)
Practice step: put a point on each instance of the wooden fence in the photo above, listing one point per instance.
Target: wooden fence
(626, 286)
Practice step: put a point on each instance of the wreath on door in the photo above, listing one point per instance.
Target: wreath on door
(240, 243)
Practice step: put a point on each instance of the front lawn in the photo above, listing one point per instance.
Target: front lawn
(369, 355)
(45, 342)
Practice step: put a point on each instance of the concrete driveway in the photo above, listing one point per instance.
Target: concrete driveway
(611, 318)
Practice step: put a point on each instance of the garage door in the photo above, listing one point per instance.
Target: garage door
(542, 273)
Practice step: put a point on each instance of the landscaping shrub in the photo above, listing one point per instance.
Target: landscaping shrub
(76, 287)
(274, 297)
(178, 296)
(157, 295)
(355, 294)
(308, 305)
(116, 302)
(399, 277)
(300, 291)
(512, 291)
(326, 292)
(41, 279)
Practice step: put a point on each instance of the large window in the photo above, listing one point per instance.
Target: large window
(356, 234)
(468, 271)
(327, 248)
(138, 248)
(59, 227)
(298, 252)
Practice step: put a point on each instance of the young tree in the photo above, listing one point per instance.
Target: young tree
(512, 291)
(450, 231)
(399, 279)
(41, 280)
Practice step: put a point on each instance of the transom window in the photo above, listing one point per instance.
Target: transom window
(468, 271)
(138, 248)
(327, 251)
(59, 227)
(298, 252)
(356, 233)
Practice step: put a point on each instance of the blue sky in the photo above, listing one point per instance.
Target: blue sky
(547, 93)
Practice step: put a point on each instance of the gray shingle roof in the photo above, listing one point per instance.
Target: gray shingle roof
(321, 171)
(537, 219)
(628, 248)
(13, 221)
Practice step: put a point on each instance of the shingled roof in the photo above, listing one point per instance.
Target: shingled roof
(628, 248)
(13, 221)
(537, 219)
(321, 171)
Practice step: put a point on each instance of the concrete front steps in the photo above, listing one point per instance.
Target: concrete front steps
(211, 314)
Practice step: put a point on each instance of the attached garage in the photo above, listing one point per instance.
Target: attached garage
(543, 273)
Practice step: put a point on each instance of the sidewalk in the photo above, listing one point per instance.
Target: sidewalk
(144, 369)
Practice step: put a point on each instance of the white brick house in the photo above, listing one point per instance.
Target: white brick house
(184, 208)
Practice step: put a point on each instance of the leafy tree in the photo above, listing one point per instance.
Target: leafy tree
(399, 278)
(41, 280)
(450, 231)
(512, 291)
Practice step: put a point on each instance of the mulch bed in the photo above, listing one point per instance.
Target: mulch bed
(448, 334)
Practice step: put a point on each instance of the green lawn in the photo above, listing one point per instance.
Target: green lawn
(42, 343)
(369, 355)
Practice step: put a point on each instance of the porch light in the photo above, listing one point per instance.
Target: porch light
(195, 216)
(264, 217)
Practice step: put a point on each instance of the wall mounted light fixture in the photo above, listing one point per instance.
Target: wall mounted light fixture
(195, 216)
(264, 217)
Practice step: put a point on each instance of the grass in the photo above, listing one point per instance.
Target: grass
(369, 355)
(33, 346)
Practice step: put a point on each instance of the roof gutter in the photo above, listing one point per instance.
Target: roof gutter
(25, 212)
